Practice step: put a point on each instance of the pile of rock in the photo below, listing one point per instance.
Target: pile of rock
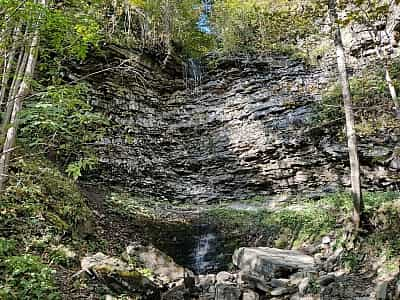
(262, 273)
(265, 273)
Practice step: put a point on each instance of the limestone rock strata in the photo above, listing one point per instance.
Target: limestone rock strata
(246, 129)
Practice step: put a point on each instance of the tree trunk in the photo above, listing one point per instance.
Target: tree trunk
(9, 64)
(392, 91)
(348, 109)
(13, 90)
(388, 78)
(18, 91)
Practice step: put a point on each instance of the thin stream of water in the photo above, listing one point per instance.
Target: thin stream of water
(193, 76)
(204, 253)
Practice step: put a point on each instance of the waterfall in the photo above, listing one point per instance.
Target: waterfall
(193, 75)
(204, 254)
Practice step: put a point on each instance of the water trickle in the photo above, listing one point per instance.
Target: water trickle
(204, 254)
(193, 75)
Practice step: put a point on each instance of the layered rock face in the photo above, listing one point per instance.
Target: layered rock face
(246, 129)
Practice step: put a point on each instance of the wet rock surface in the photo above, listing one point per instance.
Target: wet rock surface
(245, 130)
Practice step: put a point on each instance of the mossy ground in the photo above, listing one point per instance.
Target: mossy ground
(303, 224)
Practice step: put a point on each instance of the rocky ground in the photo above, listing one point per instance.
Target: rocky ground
(261, 273)
(134, 269)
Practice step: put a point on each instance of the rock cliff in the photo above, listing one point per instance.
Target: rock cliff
(241, 129)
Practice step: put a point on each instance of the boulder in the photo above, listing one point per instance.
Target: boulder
(304, 285)
(176, 293)
(227, 292)
(120, 276)
(253, 281)
(381, 290)
(225, 277)
(205, 281)
(162, 265)
(327, 279)
(272, 262)
(279, 282)
(250, 295)
(281, 291)
(308, 297)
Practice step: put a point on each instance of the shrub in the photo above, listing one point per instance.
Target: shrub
(39, 200)
(61, 122)
(27, 278)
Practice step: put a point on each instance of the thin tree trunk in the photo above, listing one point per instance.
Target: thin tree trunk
(22, 88)
(9, 62)
(389, 81)
(18, 76)
(392, 90)
(11, 128)
(348, 109)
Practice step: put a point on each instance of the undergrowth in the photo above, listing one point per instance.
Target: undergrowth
(306, 222)
(40, 210)
(26, 277)
(371, 99)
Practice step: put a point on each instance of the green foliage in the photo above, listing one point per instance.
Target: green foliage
(307, 221)
(382, 210)
(370, 94)
(26, 278)
(146, 272)
(74, 169)
(251, 26)
(158, 26)
(7, 247)
(61, 122)
(365, 12)
(314, 286)
(39, 200)
(13, 11)
(352, 260)
(287, 226)
(39, 208)
(372, 200)
(66, 34)
(131, 204)
(63, 256)
(306, 224)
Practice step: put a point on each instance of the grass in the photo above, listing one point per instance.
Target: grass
(307, 221)
(287, 227)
